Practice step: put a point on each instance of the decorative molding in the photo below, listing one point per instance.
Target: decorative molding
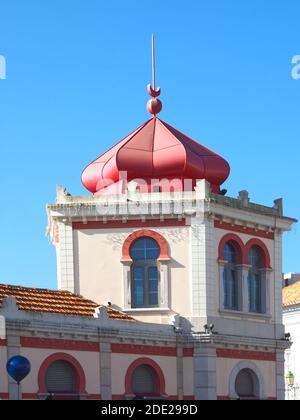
(50, 343)
(236, 242)
(243, 249)
(246, 355)
(263, 248)
(163, 244)
(244, 229)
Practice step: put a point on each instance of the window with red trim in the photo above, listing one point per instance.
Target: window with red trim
(144, 273)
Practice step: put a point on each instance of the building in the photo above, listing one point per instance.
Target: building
(191, 281)
(291, 320)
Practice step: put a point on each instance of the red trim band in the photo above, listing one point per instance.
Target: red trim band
(51, 343)
(246, 355)
(129, 224)
(244, 229)
(3, 343)
(188, 352)
(149, 350)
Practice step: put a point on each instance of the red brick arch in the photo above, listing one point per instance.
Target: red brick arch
(81, 381)
(161, 385)
(238, 244)
(264, 251)
(163, 244)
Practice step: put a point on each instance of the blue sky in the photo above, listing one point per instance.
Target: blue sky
(76, 83)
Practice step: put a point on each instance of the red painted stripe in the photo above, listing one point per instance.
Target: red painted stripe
(149, 350)
(246, 230)
(46, 343)
(272, 398)
(118, 397)
(129, 224)
(188, 352)
(3, 343)
(94, 397)
(245, 354)
(4, 395)
(223, 398)
(30, 396)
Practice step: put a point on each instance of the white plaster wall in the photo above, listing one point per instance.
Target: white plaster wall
(3, 374)
(121, 363)
(99, 272)
(225, 367)
(88, 360)
(291, 321)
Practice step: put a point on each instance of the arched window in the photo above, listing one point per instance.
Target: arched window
(61, 378)
(231, 281)
(246, 385)
(256, 281)
(144, 273)
(144, 381)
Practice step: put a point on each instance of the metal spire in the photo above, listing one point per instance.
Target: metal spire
(154, 106)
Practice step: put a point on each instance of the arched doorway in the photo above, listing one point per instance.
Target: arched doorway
(144, 381)
(246, 385)
(61, 377)
(61, 380)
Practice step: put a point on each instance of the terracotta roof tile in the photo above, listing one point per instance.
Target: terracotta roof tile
(291, 294)
(56, 302)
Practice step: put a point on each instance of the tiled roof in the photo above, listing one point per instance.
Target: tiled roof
(291, 294)
(56, 302)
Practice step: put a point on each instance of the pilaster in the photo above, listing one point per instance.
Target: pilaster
(205, 366)
(105, 370)
(65, 258)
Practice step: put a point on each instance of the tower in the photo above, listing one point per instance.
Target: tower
(160, 240)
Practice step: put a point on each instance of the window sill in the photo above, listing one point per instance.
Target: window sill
(155, 310)
(241, 314)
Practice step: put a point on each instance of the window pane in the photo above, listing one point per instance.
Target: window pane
(254, 257)
(230, 286)
(229, 253)
(225, 289)
(153, 285)
(255, 291)
(232, 290)
(138, 286)
(145, 249)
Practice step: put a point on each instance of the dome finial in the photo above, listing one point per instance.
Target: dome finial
(154, 105)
